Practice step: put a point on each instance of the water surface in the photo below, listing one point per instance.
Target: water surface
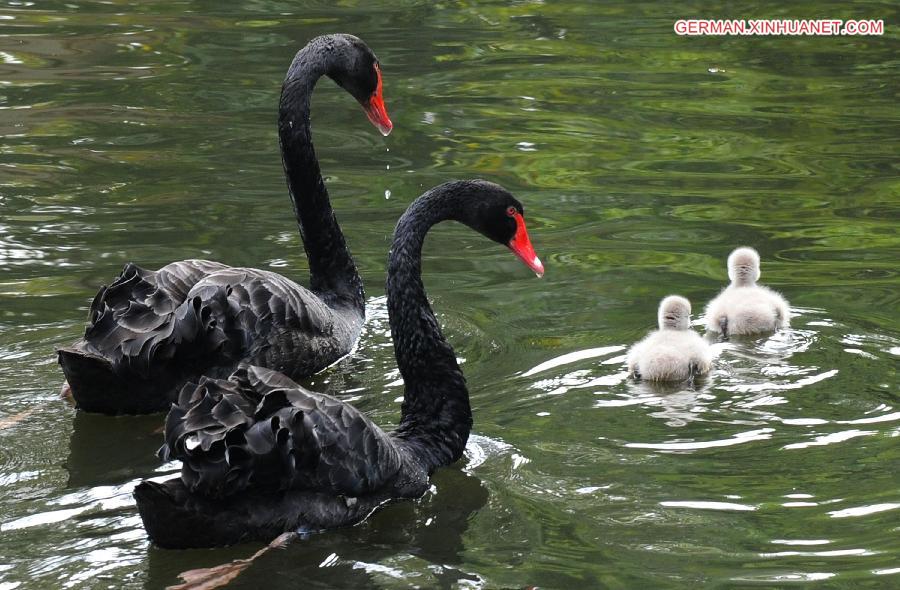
(145, 132)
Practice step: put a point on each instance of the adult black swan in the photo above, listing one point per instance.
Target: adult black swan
(261, 455)
(149, 332)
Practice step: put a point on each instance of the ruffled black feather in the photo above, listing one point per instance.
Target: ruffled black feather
(149, 332)
(260, 431)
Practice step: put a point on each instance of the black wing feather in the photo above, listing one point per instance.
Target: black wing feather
(151, 332)
(258, 430)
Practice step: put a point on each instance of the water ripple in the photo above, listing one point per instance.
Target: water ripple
(863, 510)
(739, 438)
(148, 134)
(705, 505)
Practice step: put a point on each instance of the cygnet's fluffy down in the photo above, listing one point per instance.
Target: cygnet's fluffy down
(744, 307)
(674, 352)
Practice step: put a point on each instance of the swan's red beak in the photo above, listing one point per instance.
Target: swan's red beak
(521, 247)
(375, 109)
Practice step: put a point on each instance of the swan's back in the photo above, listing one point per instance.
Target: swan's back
(151, 331)
(745, 307)
(674, 352)
(747, 310)
(261, 455)
(670, 355)
(258, 431)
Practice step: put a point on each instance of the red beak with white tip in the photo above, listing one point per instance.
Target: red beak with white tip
(375, 109)
(521, 247)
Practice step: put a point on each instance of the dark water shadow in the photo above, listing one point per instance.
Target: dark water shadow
(108, 450)
(430, 529)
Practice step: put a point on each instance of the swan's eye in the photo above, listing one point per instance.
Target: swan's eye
(511, 211)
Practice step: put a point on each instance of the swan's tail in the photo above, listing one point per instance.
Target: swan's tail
(143, 339)
(173, 521)
(174, 518)
(96, 387)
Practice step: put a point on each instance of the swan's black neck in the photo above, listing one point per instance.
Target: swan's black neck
(333, 274)
(436, 416)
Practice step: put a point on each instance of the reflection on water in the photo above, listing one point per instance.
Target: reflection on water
(94, 459)
(420, 540)
(144, 132)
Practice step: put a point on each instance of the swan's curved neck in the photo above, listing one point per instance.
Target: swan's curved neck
(333, 274)
(436, 415)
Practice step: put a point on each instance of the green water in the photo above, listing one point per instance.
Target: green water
(145, 132)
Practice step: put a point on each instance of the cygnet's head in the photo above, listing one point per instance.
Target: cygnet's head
(674, 313)
(743, 266)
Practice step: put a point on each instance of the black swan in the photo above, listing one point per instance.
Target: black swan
(261, 455)
(745, 307)
(149, 332)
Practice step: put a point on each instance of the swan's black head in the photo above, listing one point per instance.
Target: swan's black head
(494, 212)
(355, 69)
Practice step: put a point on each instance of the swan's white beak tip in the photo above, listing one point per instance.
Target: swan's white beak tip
(538, 267)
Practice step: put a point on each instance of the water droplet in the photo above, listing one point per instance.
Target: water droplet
(387, 193)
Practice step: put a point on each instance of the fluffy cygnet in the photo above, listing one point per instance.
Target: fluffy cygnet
(674, 352)
(744, 307)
